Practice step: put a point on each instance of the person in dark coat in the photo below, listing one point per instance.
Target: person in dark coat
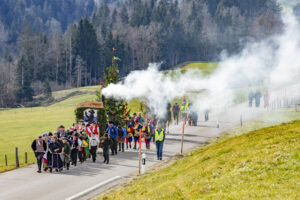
(56, 150)
(49, 155)
(66, 153)
(106, 146)
(176, 111)
(257, 97)
(250, 98)
(39, 147)
(74, 148)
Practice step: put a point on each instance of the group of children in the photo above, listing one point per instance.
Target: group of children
(81, 141)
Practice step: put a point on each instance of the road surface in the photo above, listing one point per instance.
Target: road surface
(25, 183)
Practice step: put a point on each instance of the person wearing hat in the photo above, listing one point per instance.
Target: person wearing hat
(61, 131)
(134, 117)
(39, 147)
(112, 130)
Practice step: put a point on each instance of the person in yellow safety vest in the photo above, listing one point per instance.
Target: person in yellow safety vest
(159, 140)
(184, 109)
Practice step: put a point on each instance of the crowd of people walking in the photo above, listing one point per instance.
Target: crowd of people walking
(65, 147)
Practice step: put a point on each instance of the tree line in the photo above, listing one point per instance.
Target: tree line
(142, 31)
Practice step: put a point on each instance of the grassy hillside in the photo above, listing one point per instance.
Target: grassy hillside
(263, 164)
(205, 67)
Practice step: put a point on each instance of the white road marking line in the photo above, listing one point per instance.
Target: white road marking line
(93, 188)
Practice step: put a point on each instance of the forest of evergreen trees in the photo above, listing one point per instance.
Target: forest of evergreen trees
(57, 44)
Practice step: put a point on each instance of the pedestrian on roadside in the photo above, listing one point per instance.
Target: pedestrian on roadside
(159, 140)
(206, 115)
(121, 137)
(184, 109)
(56, 150)
(61, 131)
(39, 147)
(129, 135)
(106, 146)
(176, 111)
(137, 128)
(257, 97)
(45, 157)
(66, 152)
(93, 145)
(147, 130)
(112, 130)
(74, 148)
(140, 118)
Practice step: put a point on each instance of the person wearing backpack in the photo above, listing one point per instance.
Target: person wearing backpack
(94, 142)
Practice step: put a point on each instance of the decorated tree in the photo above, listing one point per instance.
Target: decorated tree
(116, 110)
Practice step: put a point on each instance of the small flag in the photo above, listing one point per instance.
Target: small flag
(116, 58)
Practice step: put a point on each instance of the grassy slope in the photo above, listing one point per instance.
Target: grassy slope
(263, 164)
(20, 126)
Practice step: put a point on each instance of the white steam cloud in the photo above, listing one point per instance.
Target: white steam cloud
(275, 61)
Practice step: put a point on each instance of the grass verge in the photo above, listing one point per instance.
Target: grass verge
(262, 164)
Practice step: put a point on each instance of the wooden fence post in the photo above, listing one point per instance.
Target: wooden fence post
(5, 160)
(26, 157)
(17, 158)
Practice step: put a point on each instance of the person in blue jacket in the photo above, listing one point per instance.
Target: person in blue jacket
(112, 130)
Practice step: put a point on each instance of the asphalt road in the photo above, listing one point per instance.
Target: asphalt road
(25, 183)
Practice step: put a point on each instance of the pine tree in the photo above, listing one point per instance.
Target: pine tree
(47, 89)
(124, 15)
(115, 109)
(24, 76)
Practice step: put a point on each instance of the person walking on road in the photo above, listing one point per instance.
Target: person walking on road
(184, 110)
(159, 140)
(56, 150)
(94, 142)
(121, 137)
(112, 130)
(129, 135)
(106, 146)
(176, 111)
(147, 130)
(74, 149)
(137, 128)
(66, 152)
(39, 147)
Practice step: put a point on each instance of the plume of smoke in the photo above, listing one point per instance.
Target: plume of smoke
(276, 61)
